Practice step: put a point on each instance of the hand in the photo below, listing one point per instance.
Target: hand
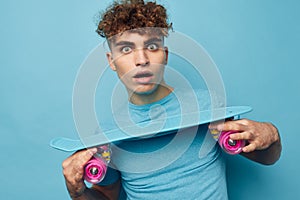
(260, 135)
(73, 170)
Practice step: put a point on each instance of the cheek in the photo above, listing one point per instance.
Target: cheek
(124, 74)
(122, 66)
(159, 69)
(158, 58)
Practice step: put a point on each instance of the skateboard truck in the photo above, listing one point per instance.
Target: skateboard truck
(95, 169)
(228, 145)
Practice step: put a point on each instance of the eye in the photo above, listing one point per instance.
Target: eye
(152, 47)
(126, 49)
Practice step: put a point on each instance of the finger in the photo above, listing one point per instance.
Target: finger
(231, 126)
(78, 159)
(76, 166)
(78, 175)
(249, 148)
(67, 162)
(82, 158)
(87, 155)
(241, 136)
(84, 155)
(213, 125)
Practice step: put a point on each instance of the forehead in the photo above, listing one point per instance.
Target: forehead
(135, 37)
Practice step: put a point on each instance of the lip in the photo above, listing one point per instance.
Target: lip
(143, 77)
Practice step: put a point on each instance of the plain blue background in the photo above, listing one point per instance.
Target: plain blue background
(254, 43)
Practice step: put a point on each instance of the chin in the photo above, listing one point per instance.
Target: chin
(145, 90)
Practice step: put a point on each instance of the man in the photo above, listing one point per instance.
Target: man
(138, 56)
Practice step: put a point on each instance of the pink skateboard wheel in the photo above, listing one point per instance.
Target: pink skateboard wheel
(95, 170)
(228, 145)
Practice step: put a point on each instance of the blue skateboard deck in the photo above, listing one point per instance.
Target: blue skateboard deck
(115, 135)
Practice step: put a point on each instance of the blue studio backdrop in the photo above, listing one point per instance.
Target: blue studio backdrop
(254, 44)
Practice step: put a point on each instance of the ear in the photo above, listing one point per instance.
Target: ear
(166, 50)
(110, 61)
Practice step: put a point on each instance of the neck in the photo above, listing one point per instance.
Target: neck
(141, 99)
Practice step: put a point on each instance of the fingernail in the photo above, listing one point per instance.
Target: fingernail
(245, 149)
(220, 127)
(93, 151)
(233, 136)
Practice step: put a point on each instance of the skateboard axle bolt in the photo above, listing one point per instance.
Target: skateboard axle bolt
(94, 170)
(231, 142)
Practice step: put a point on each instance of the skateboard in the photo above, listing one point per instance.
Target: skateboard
(95, 169)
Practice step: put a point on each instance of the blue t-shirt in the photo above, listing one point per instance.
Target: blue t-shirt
(169, 166)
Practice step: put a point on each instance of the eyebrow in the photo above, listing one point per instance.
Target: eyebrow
(127, 43)
(124, 43)
(153, 40)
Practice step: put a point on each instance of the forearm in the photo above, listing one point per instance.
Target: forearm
(267, 156)
(90, 194)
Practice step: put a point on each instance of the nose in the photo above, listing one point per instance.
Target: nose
(141, 58)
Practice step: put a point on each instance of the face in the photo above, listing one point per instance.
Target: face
(139, 60)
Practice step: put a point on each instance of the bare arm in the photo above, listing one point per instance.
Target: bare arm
(264, 144)
(96, 192)
(268, 149)
(73, 170)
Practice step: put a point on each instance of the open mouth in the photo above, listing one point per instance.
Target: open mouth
(143, 77)
(143, 74)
